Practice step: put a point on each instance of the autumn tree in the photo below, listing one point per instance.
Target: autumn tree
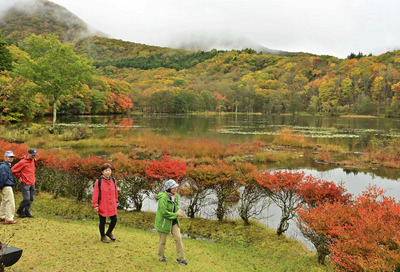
(369, 240)
(196, 187)
(395, 105)
(364, 233)
(218, 178)
(134, 187)
(281, 187)
(54, 68)
(347, 94)
(377, 91)
(315, 192)
(225, 188)
(327, 94)
(5, 56)
(252, 197)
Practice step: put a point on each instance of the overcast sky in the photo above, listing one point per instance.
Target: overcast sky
(331, 27)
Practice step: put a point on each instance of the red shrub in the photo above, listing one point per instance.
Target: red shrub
(364, 234)
(166, 168)
(19, 150)
(313, 191)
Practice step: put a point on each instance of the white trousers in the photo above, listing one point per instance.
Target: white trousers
(7, 206)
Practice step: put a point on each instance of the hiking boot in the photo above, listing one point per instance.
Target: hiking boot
(104, 239)
(111, 236)
(29, 215)
(181, 261)
(21, 214)
(10, 222)
(163, 260)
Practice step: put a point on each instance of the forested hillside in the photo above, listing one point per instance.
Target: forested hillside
(40, 17)
(136, 77)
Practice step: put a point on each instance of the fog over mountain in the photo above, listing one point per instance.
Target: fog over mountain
(47, 12)
(334, 27)
(193, 41)
(224, 41)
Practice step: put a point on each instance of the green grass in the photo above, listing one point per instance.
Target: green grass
(63, 236)
(275, 156)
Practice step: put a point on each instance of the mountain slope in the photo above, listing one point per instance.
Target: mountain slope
(41, 17)
(22, 18)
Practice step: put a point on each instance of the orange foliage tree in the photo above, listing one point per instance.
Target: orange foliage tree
(196, 187)
(281, 187)
(222, 183)
(134, 186)
(252, 197)
(314, 192)
(364, 233)
(370, 239)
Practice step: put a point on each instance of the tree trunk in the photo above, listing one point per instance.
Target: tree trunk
(283, 226)
(138, 202)
(192, 207)
(54, 115)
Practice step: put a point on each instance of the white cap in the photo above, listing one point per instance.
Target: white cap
(170, 184)
(9, 154)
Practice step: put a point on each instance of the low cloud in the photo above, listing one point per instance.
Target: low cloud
(73, 23)
(221, 41)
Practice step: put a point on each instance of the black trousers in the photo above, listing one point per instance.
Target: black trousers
(28, 194)
(103, 224)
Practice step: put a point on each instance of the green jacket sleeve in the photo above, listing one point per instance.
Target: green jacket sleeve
(177, 203)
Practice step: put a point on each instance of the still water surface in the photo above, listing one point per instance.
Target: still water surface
(353, 133)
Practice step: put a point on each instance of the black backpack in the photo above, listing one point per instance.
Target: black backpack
(99, 183)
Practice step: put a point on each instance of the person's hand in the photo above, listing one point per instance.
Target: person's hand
(20, 180)
(180, 214)
(96, 209)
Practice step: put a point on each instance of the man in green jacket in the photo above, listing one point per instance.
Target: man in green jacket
(167, 220)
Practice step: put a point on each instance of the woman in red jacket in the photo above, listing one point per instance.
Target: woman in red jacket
(104, 202)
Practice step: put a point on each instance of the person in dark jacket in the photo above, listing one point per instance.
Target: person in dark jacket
(24, 170)
(167, 220)
(7, 206)
(104, 202)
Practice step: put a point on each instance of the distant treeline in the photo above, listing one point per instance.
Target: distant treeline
(161, 80)
(178, 61)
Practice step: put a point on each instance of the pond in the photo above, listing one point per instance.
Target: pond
(351, 133)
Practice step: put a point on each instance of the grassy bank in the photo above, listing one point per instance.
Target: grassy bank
(63, 236)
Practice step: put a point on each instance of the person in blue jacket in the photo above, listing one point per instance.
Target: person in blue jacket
(7, 206)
